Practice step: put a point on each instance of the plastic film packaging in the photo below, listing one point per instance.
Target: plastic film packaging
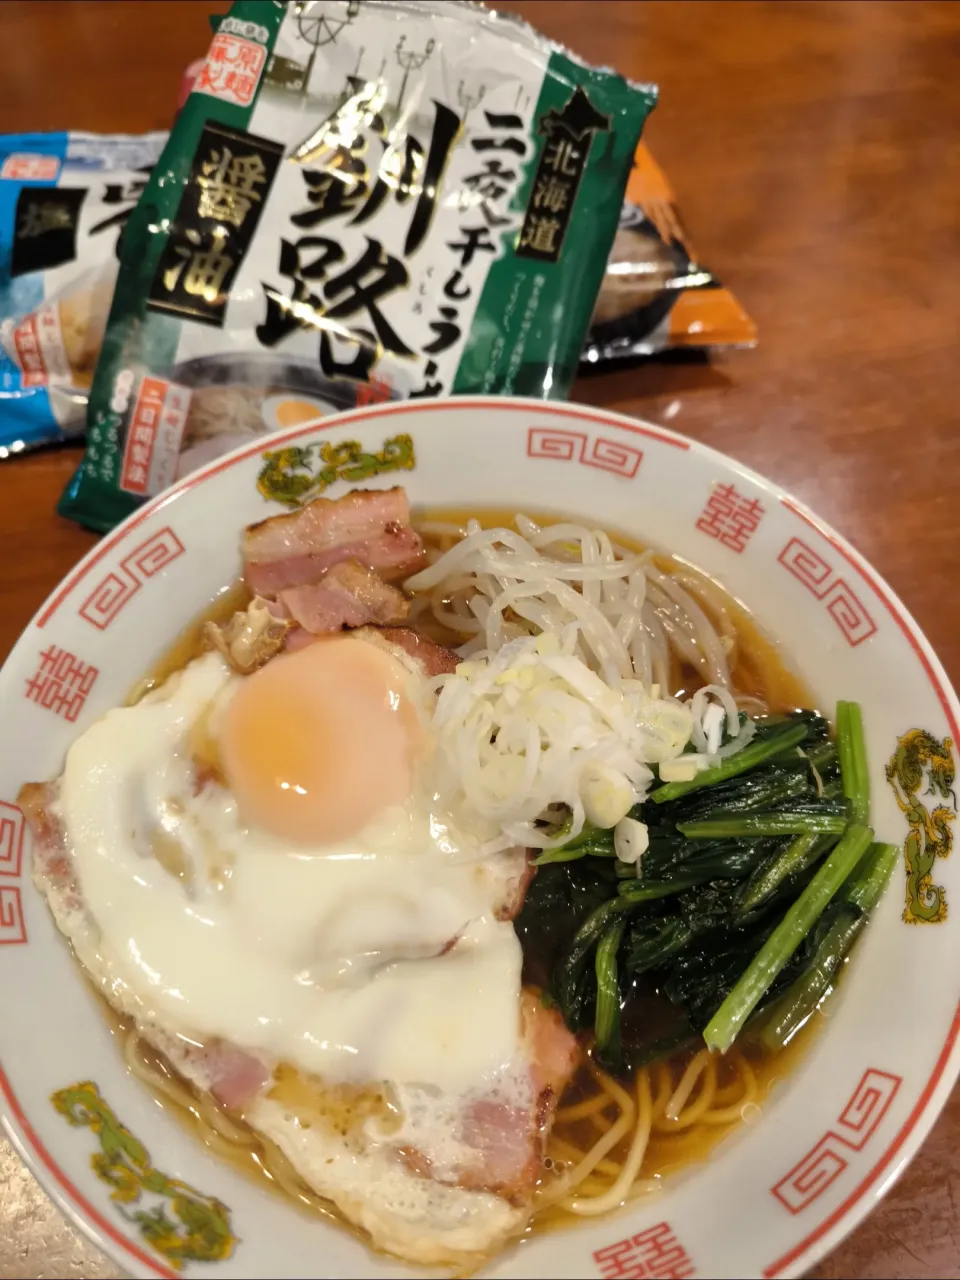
(356, 202)
(64, 200)
(656, 296)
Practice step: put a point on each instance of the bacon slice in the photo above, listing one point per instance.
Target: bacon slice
(512, 1145)
(509, 909)
(52, 863)
(432, 659)
(36, 799)
(553, 1051)
(298, 638)
(231, 1074)
(348, 595)
(371, 526)
(506, 1141)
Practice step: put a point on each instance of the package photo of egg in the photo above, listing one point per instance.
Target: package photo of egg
(458, 816)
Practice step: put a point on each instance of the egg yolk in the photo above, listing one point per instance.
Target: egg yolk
(318, 742)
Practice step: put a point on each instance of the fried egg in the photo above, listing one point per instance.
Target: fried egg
(264, 870)
(262, 864)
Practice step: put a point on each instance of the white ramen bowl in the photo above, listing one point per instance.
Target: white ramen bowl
(775, 1196)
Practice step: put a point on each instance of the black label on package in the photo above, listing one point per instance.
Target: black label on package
(569, 134)
(230, 177)
(45, 228)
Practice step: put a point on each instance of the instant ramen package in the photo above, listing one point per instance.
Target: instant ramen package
(655, 295)
(64, 199)
(357, 202)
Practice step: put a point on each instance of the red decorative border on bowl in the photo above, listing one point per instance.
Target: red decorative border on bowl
(652, 1254)
(730, 517)
(13, 926)
(830, 1157)
(109, 596)
(830, 589)
(590, 451)
(797, 1252)
(12, 831)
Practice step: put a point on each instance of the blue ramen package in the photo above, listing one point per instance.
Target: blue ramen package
(64, 199)
(357, 202)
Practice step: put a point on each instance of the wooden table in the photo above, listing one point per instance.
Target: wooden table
(814, 148)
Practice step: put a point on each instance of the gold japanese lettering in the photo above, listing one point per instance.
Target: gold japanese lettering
(540, 234)
(229, 186)
(206, 270)
(39, 218)
(552, 194)
(563, 157)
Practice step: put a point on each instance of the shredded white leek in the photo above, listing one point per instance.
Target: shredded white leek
(557, 703)
(631, 840)
(532, 726)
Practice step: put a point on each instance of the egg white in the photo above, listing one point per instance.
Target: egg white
(323, 962)
(425, 1221)
(328, 957)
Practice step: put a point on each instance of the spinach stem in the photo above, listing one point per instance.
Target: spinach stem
(747, 758)
(747, 825)
(852, 750)
(648, 890)
(607, 1017)
(755, 981)
(860, 896)
(799, 854)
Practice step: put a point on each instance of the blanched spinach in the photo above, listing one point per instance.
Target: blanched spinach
(711, 930)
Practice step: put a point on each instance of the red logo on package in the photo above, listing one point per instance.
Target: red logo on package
(29, 356)
(376, 391)
(232, 70)
(24, 167)
(142, 436)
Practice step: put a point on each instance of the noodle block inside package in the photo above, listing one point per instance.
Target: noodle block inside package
(357, 203)
(64, 201)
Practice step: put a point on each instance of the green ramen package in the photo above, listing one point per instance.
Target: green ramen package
(64, 199)
(357, 202)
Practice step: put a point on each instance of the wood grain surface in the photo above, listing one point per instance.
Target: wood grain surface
(815, 150)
